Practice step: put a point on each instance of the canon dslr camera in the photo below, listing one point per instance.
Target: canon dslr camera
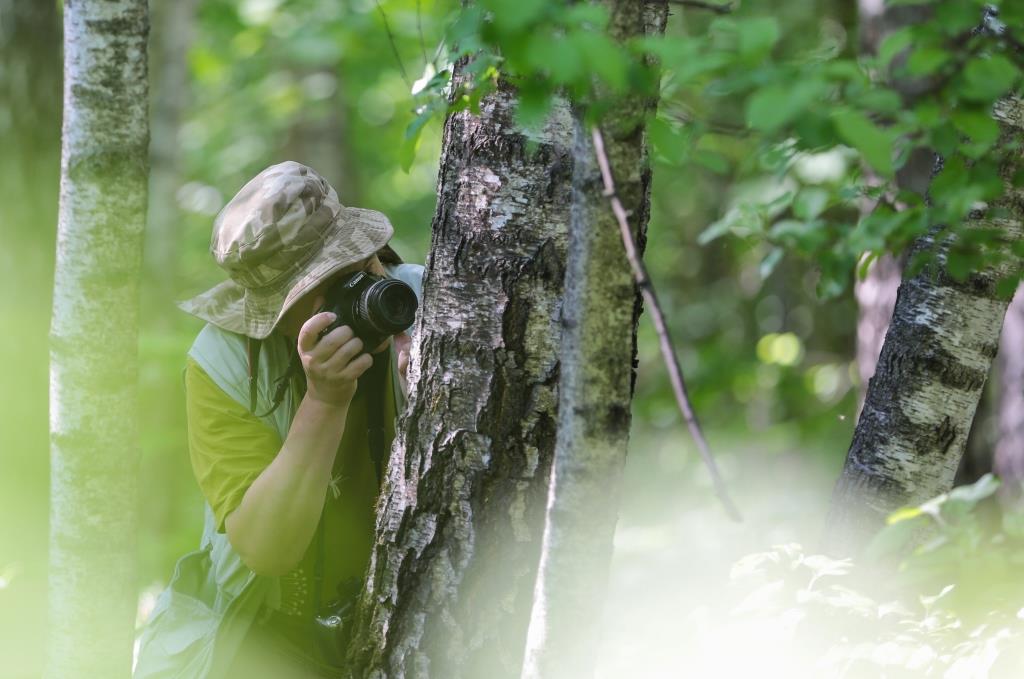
(374, 307)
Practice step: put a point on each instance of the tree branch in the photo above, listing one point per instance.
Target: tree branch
(710, 6)
(667, 349)
(394, 48)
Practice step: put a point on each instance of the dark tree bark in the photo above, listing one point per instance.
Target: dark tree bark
(937, 354)
(600, 315)
(451, 578)
(94, 341)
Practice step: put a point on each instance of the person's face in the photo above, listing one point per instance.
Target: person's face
(307, 305)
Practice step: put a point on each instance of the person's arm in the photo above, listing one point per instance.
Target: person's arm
(274, 524)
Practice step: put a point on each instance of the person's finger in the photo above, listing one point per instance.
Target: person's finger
(357, 367)
(331, 342)
(403, 362)
(312, 328)
(341, 357)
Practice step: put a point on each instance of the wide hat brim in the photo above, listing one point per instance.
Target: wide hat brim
(355, 234)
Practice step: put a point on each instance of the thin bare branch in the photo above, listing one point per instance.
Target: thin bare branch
(419, 29)
(710, 6)
(394, 48)
(667, 349)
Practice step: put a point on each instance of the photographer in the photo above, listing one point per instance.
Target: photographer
(290, 420)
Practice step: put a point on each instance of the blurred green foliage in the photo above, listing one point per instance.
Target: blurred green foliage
(766, 120)
(937, 595)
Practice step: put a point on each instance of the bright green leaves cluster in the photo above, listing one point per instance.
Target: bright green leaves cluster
(546, 49)
(931, 86)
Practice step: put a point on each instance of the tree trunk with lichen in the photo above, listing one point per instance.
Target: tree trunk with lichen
(451, 577)
(937, 354)
(602, 307)
(876, 294)
(93, 341)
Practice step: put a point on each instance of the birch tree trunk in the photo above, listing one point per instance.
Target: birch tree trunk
(876, 294)
(937, 354)
(451, 577)
(602, 307)
(93, 341)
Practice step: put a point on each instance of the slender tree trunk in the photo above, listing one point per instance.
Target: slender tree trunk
(93, 338)
(30, 99)
(319, 138)
(937, 354)
(170, 89)
(1009, 449)
(600, 315)
(30, 81)
(451, 578)
(876, 294)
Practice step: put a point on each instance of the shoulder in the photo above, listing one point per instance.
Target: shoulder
(221, 354)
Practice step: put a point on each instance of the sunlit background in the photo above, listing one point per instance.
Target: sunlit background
(241, 84)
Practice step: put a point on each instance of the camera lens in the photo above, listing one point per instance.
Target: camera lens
(389, 306)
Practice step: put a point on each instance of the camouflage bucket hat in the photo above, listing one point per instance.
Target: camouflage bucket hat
(281, 235)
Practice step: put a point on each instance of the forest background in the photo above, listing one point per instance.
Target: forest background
(237, 85)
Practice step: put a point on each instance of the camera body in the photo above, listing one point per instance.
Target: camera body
(374, 307)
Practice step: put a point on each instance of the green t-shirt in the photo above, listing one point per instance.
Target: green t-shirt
(229, 447)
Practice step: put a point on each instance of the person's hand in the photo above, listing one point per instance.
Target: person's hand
(402, 342)
(333, 364)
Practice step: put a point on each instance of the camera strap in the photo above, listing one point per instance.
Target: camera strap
(252, 350)
(375, 381)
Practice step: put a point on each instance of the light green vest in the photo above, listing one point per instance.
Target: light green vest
(201, 618)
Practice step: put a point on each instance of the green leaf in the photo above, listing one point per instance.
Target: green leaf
(892, 539)
(769, 263)
(874, 143)
(411, 139)
(715, 162)
(514, 15)
(895, 43)
(988, 79)
(974, 493)
(810, 202)
(667, 141)
(757, 36)
(927, 60)
(560, 58)
(774, 106)
(604, 56)
(742, 218)
(980, 127)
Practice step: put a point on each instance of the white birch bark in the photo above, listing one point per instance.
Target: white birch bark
(93, 341)
(876, 294)
(600, 317)
(943, 338)
(459, 525)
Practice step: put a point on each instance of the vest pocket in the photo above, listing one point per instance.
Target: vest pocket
(184, 612)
